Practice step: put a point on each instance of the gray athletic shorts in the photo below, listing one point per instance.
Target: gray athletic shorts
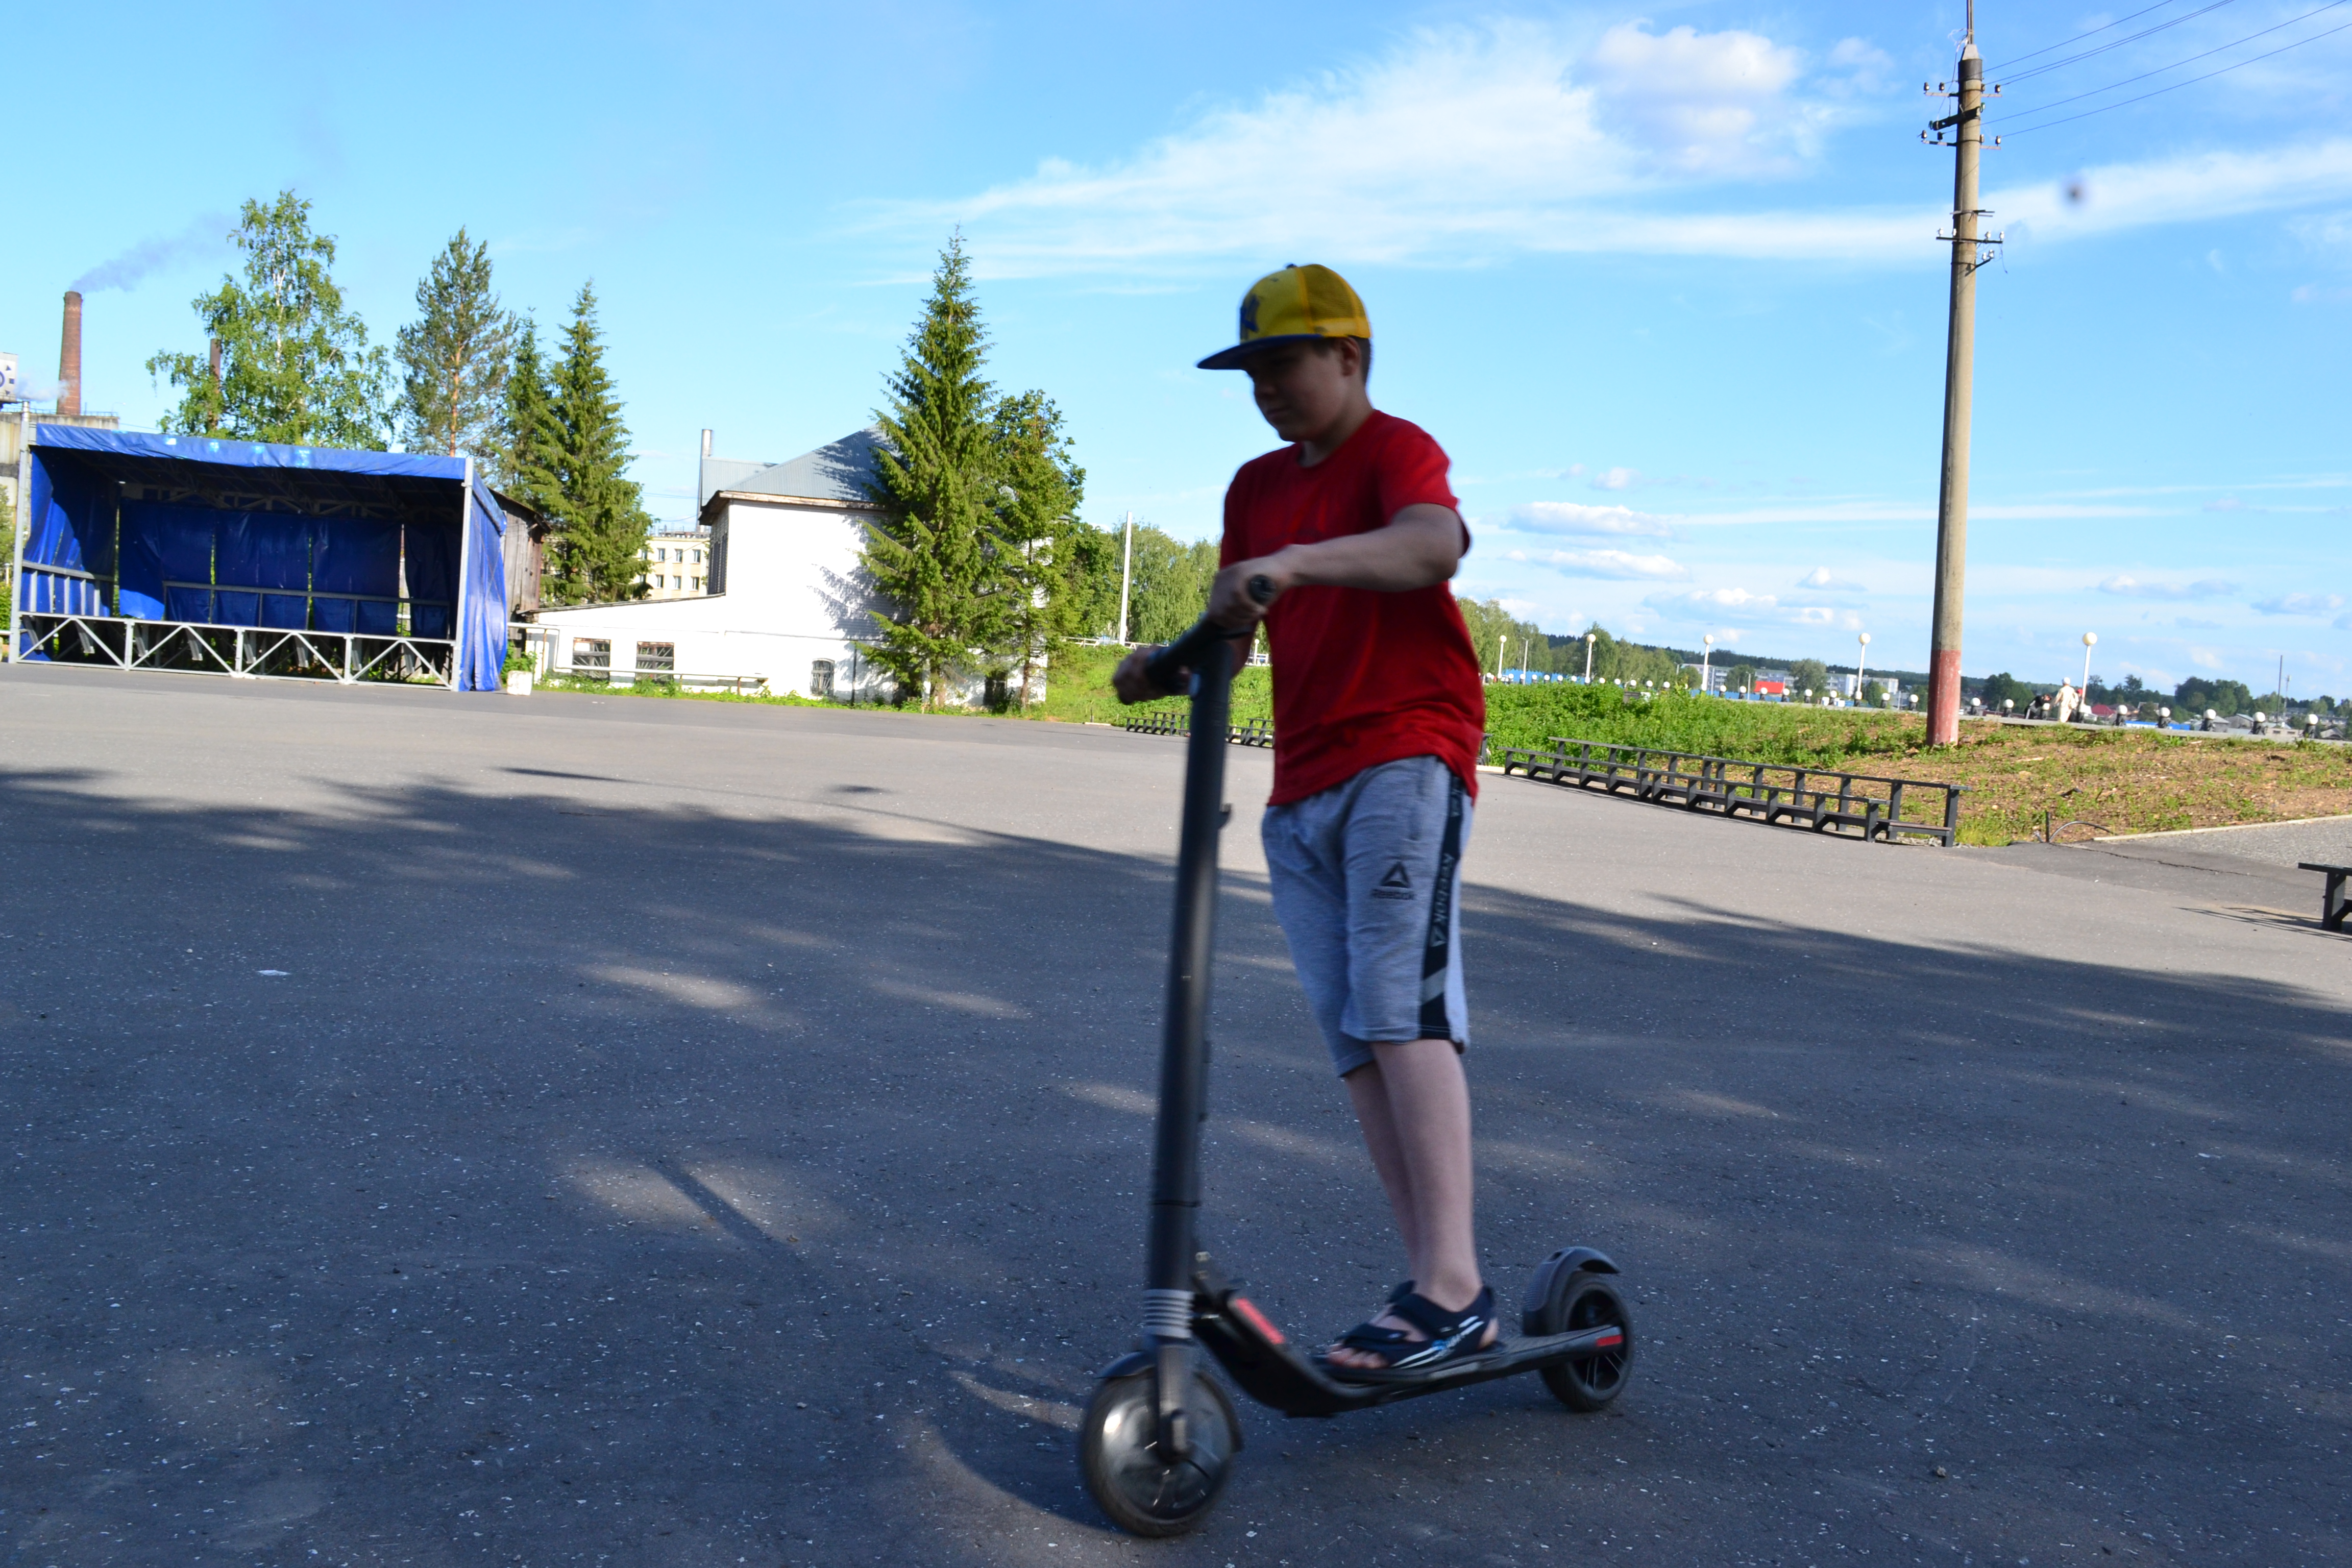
(1367, 881)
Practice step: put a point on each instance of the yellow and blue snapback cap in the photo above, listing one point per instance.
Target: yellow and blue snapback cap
(1291, 306)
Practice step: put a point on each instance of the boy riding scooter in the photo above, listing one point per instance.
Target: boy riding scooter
(1378, 720)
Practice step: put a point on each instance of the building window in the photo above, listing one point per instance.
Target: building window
(697, 558)
(592, 657)
(821, 678)
(656, 657)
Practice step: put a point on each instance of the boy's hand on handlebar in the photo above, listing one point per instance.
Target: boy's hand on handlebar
(1130, 679)
(1245, 591)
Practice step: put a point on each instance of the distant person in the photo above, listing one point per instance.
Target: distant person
(2066, 703)
(1378, 720)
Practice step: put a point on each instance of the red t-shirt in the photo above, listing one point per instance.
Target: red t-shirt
(1359, 678)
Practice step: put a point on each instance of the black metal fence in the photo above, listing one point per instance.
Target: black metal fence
(1255, 732)
(1822, 799)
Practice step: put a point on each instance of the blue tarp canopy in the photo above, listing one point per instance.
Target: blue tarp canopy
(216, 532)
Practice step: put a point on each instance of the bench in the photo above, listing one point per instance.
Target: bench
(2333, 904)
(1885, 809)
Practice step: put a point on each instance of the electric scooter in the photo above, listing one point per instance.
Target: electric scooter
(1161, 1437)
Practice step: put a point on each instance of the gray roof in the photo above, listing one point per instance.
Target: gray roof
(838, 470)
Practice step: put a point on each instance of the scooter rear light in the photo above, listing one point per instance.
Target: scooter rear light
(1257, 1320)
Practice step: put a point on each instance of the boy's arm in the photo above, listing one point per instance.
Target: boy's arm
(1421, 546)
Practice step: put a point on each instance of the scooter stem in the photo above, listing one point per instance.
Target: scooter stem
(1185, 1046)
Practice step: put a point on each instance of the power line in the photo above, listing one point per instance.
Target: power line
(2190, 82)
(1995, 70)
(2119, 43)
(2192, 60)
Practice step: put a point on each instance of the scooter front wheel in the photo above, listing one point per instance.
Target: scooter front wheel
(1143, 1491)
(1580, 1299)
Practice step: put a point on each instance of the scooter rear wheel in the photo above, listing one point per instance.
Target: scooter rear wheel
(1143, 1492)
(1586, 1299)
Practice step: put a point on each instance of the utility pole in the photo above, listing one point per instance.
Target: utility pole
(1126, 571)
(1967, 122)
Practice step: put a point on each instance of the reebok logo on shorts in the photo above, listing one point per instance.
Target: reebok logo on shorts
(1397, 884)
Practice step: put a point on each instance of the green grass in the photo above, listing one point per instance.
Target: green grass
(1849, 740)
(1079, 692)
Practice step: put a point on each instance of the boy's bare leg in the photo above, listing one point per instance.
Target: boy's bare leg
(1413, 1105)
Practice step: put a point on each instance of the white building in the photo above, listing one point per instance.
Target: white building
(676, 563)
(786, 602)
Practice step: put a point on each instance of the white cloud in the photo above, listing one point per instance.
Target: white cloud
(1615, 479)
(1821, 577)
(1698, 603)
(1716, 607)
(1613, 563)
(2324, 231)
(1598, 521)
(2300, 605)
(2190, 189)
(1457, 143)
(1869, 66)
(1463, 145)
(2204, 588)
(1702, 104)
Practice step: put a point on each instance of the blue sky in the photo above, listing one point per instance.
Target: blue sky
(1661, 278)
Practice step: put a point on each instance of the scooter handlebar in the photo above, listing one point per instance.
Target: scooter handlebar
(1185, 651)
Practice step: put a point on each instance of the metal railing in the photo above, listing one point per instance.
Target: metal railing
(1822, 799)
(1253, 732)
(201, 648)
(604, 676)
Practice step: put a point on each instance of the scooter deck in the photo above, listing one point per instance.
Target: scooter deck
(1273, 1372)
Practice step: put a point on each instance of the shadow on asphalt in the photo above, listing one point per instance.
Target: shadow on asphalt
(596, 1175)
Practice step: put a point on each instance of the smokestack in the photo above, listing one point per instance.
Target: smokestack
(69, 357)
(705, 443)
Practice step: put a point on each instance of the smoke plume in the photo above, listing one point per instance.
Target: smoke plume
(149, 255)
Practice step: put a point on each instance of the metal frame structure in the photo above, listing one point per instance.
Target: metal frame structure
(79, 618)
(252, 653)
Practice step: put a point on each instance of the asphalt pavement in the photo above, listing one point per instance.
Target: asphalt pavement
(586, 1131)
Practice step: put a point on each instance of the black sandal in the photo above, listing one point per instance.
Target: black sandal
(1449, 1335)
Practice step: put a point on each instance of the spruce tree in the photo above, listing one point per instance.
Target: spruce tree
(296, 366)
(599, 513)
(1049, 558)
(455, 356)
(526, 450)
(932, 554)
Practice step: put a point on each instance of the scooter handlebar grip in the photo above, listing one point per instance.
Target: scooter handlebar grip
(1184, 653)
(1186, 650)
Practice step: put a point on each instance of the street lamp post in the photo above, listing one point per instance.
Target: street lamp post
(2090, 640)
(1705, 658)
(1587, 658)
(1861, 670)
